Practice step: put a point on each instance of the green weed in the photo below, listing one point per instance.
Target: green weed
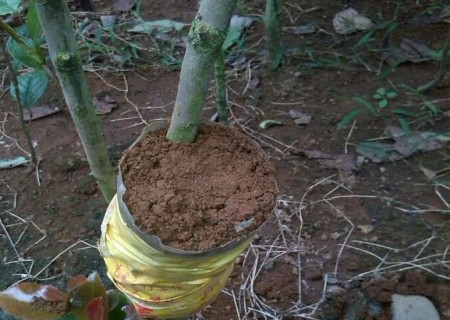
(384, 96)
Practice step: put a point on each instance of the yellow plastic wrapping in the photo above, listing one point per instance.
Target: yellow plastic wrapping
(162, 282)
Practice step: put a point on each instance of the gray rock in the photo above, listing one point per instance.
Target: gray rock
(413, 308)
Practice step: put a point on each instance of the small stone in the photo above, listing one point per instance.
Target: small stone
(413, 308)
(313, 273)
(388, 285)
(373, 292)
(352, 265)
(335, 291)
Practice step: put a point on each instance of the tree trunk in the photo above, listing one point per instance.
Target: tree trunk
(208, 31)
(273, 33)
(55, 19)
(221, 90)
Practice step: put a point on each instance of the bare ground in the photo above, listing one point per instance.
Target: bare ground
(344, 237)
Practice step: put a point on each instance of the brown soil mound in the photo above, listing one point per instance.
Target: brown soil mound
(193, 195)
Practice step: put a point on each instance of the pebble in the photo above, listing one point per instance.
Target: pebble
(413, 308)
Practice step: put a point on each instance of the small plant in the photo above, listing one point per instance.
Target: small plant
(86, 299)
(26, 62)
(24, 45)
(383, 96)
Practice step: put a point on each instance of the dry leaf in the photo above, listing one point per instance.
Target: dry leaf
(349, 21)
(300, 117)
(123, 5)
(408, 51)
(39, 112)
(399, 145)
(104, 103)
(428, 172)
(344, 162)
(365, 228)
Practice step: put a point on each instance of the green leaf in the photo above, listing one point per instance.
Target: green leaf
(33, 24)
(69, 316)
(116, 300)
(366, 103)
(32, 301)
(26, 54)
(32, 86)
(232, 38)
(404, 112)
(236, 29)
(375, 151)
(10, 6)
(432, 107)
(391, 94)
(435, 54)
(364, 40)
(349, 117)
(381, 91)
(378, 96)
(383, 103)
(269, 123)
(410, 89)
(405, 126)
(84, 292)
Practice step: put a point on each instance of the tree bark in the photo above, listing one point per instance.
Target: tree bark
(55, 20)
(208, 31)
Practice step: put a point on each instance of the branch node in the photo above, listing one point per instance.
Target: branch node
(205, 38)
(65, 60)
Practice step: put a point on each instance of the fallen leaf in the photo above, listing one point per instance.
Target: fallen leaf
(345, 162)
(236, 59)
(237, 26)
(414, 142)
(123, 5)
(163, 26)
(303, 120)
(317, 154)
(39, 112)
(430, 174)
(408, 51)
(104, 103)
(269, 123)
(399, 145)
(254, 82)
(11, 163)
(377, 152)
(365, 228)
(108, 21)
(20, 300)
(302, 30)
(300, 117)
(349, 21)
(427, 18)
(362, 23)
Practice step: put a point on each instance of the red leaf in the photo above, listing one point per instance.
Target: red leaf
(96, 309)
(27, 292)
(75, 282)
(33, 301)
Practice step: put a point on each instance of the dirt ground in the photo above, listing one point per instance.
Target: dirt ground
(348, 230)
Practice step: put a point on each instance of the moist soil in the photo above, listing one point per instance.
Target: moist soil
(202, 195)
(340, 242)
